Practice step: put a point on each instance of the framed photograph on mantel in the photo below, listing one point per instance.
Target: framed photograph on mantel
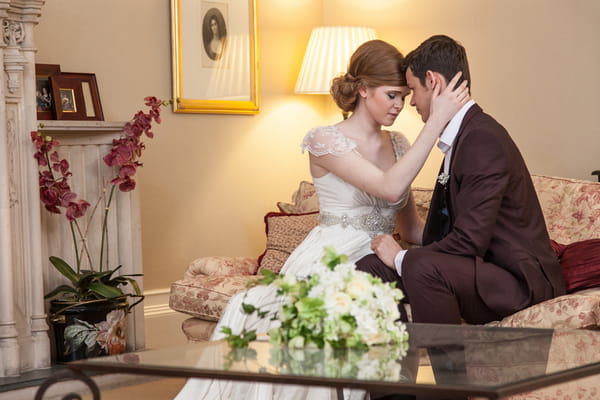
(43, 90)
(214, 56)
(76, 96)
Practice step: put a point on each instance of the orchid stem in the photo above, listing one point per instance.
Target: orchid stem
(78, 260)
(105, 226)
(84, 247)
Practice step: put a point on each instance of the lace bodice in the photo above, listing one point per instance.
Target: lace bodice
(342, 203)
(330, 140)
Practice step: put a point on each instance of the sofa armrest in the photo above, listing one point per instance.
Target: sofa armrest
(577, 310)
(221, 266)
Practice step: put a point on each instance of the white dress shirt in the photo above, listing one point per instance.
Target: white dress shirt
(445, 144)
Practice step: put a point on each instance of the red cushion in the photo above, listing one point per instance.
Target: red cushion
(580, 262)
(558, 248)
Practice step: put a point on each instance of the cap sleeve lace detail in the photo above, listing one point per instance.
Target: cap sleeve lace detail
(327, 140)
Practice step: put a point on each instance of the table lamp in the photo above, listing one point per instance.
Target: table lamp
(327, 55)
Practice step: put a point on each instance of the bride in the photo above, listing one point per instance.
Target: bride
(362, 175)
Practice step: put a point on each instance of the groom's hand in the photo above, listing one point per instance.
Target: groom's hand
(386, 248)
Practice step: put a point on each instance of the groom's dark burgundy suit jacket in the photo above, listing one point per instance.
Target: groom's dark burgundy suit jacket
(494, 215)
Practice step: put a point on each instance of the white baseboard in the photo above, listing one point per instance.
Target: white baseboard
(156, 303)
(162, 324)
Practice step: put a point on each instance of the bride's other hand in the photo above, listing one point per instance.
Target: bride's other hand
(447, 102)
(386, 248)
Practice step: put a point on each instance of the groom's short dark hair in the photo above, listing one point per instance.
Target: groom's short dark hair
(439, 53)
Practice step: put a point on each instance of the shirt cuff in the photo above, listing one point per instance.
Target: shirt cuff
(398, 261)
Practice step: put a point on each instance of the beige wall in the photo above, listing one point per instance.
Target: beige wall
(208, 179)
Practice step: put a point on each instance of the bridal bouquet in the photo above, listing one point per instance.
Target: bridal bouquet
(338, 308)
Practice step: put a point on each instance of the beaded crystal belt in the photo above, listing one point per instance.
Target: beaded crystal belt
(374, 223)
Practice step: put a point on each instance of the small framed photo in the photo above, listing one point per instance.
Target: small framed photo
(43, 90)
(76, 96)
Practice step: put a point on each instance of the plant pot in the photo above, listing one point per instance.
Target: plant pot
(90, 328)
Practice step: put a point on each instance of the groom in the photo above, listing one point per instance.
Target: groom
(486, 252)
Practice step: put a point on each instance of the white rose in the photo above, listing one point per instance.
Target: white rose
(358, 286)
(345, 268)
(334, 281)
(390, 308)
(338, 303)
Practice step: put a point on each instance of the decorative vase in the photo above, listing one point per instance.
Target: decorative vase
(89, 328)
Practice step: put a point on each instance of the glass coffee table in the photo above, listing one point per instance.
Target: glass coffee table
(448, 360)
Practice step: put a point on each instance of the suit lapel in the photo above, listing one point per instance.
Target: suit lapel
(462, 133)
(474, 110)
(439, 225)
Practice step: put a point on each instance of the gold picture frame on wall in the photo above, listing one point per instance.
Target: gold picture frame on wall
(214, 56)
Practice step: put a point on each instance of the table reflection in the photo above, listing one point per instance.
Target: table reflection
(375, 363)
(466, 359)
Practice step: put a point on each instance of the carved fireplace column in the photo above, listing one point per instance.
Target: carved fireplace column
(24, 343)
(9, 348)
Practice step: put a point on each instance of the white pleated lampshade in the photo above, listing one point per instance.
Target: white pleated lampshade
(327, 55)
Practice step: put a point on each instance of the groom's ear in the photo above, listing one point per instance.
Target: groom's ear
(434, 78)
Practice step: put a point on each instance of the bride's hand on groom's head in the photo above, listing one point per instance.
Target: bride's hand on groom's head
(446, 102)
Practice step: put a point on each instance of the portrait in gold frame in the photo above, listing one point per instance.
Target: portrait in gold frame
(214, 56)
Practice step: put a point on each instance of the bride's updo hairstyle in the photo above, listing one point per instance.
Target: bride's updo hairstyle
(374, 63)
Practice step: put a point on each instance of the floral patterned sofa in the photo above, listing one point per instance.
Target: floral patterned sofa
(572, 213)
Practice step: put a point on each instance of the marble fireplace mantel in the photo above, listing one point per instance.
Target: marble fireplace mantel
(28, 234)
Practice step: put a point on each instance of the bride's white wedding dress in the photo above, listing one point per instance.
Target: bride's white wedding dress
(349, 218)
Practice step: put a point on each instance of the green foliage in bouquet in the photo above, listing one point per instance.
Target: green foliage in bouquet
(337, 308)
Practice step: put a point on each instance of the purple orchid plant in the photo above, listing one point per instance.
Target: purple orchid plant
(56, 194)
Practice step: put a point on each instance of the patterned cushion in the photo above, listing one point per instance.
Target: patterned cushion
(206, 296)
(571, 207)
(304, 200)
(571, 311)
(284, 234)
(215, 265)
